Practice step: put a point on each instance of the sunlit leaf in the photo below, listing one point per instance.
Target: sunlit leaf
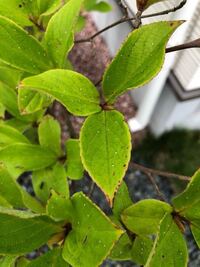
(105, 149)
(70, 88)
(139, 60)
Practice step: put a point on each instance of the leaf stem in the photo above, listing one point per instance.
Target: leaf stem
(158, 172)
(192, 44)
(135, 18)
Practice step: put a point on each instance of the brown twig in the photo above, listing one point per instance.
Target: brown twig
(192, 44)
(158, 172)
(152, 180)
(126, 19)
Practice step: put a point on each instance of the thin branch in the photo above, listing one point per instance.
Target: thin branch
(158, 172)
(152, 180)
(192, 44)
(126, 19)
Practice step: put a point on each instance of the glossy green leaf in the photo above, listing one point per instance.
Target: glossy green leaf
(17, 227)
(30, 101)
(71, 89)
(9, 76)
(20, 50)
(2, 111)
(92, 237)
(4, 203)
(51, 178)
(15, 195)
(122, 249)
(141, 249)
(47, 7)
(60, 208)
(169, 249)
(15, 10)
(74, 166)
(122, 200)
(22, 262)
(51, 258)
(139, 59)
(102, 6)
(9, 135)
(26, 157)
(187, 205)
(8, 97)
(49, 132)
(105, 149)
(19, 125)
(58, 36)
(80, 24)
(144, 217)
(7, 261)
(186, 202)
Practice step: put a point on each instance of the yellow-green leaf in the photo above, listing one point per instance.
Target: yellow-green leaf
(74, 166)
(169, 249)
(139, 60)
(143, 218)
(105, 149)
(20, 50)
(72, 89)
(59, 33)
(17, 227)
(92, 236)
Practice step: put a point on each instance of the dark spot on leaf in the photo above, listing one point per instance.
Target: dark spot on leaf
(85, 239)
(42, 185)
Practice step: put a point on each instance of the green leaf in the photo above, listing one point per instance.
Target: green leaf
(17, 227)
(9, 76)
(47, 7)
(9, 135)
(144, 217)
(60, 208)
(105, 149)
(30, 101)
(26, 157)
(7, 261)
(19, 125)
(22, 262)
(51, 178)
(2, 111)
(8, 97)
(49, 132)
(81, 22)
(15, 195)
(164, 253)
(59, 33)
(74, 166)
(187, 205)
(122, 249)
(16, 11)
(141, 249)
(122, 200)
(71, 89)
(51, 258)
(139, 60)
(20, 50)
(4, 203)
(102, 7)
(92, 236)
